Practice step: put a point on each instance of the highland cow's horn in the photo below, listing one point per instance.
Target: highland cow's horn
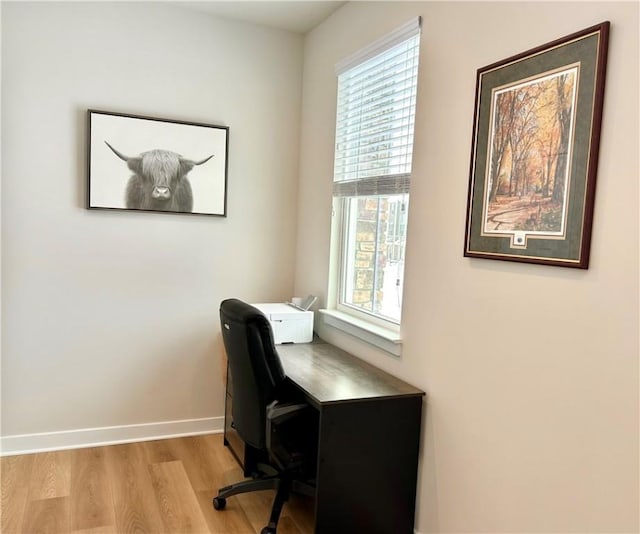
(119, 154)
(203, 161)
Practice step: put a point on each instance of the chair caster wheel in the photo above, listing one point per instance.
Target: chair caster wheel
(268, 530)
(219, 503)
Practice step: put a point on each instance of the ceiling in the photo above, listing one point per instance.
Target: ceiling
(296, 16)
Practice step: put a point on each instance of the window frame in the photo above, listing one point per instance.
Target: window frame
(342, 216)
(375, 328)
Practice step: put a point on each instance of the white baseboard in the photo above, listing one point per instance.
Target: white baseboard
(93, 437)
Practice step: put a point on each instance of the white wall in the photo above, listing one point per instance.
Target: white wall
(111, 318)
(531, 371)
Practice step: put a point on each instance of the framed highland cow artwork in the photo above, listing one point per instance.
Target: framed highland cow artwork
(158, 165)
(534, 153)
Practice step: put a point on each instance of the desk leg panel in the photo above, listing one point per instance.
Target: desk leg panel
(367, 470)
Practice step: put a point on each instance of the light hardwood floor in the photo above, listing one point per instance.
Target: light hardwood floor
(163, 486)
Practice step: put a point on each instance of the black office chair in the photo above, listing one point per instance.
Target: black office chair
(262, 414)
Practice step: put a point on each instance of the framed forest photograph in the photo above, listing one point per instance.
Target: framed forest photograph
(534, 152)
(159, 165)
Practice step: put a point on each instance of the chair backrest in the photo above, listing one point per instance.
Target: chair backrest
(256, 372)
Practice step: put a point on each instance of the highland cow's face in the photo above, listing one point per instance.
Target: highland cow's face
(161, 170)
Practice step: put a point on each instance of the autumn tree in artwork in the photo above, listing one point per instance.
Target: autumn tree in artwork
(530, 139)
(563, 112)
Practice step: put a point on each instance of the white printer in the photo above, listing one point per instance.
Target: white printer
(289, 323)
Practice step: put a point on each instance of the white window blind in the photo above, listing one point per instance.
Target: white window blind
(376, 115)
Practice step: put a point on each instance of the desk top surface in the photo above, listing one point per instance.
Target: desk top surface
(328, 375)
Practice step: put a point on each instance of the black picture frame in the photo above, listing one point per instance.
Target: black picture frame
(153, 164)
(534, 153)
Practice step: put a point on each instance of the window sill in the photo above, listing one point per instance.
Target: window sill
(381, 337)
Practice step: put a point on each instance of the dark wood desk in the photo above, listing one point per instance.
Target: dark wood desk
(368, 440)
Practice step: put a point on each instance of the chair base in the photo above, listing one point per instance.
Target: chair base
(283, 485)
(246, 486)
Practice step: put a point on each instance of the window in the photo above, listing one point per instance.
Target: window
(372, 169)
